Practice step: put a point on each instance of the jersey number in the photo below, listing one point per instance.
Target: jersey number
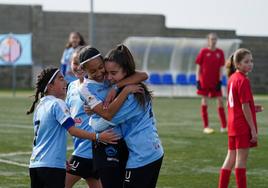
(36, 128)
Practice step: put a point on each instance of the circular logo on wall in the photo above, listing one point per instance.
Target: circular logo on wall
(10, 49)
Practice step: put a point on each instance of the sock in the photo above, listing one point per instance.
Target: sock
(224, 178)
(241, 178)
(204, 115)
(221, 114)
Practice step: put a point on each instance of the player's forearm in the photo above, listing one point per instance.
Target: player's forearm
(136, 78)
(221, 73)
(81, 133)
(115, 105)
(248, 116)
(197, 72)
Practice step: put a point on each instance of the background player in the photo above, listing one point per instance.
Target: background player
(209, 69)
(242, 125)
(75, 40)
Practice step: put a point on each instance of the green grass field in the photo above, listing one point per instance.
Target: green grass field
(192, 159)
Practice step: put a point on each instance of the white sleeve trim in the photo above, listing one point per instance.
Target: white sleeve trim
(90, 99)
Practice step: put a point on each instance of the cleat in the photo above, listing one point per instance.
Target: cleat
(208, 130)
(223, 130)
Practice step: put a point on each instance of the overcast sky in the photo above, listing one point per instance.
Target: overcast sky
(247, 17)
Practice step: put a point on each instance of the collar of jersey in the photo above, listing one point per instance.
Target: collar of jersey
(93, 81)
(47, 97)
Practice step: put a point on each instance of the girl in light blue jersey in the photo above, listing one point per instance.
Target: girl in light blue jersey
(75, 39)
(109, 158)
(138, 125)
(51, 121)
(80, 163)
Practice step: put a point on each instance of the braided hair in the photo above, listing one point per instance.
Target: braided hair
(41, 84)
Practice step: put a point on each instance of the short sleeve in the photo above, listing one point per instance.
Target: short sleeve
(199, 58)
(88, 97)
(244, 92)
(62, 114)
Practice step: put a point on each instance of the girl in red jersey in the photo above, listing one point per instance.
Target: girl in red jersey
(242, 126)
(210, 62)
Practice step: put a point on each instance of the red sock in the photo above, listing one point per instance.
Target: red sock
(221, 114)
(224, 178)
(204, 115)
(241, 178)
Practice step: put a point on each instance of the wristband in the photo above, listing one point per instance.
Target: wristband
(115, 87)
(97, 137)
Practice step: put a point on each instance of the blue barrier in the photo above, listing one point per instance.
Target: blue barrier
(181, 79)
(155, 79)
(167, 79)
(192, 79)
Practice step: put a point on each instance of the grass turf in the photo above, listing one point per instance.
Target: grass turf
(191, 160)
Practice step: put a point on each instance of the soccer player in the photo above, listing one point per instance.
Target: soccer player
(109, 159)
(242, 125)
(80, 163)
(51, 121)
(210, 62)
(75, 39)
(137, 123)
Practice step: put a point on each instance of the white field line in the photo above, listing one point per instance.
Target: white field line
(17, 126)
(13, 163)
(19, 153)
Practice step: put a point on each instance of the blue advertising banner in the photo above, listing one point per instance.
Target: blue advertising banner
(16, 49)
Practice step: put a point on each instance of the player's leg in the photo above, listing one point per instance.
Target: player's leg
(93, 183)
(143, 177)
(228, 164)
(35, 180)
(240, 167)
(204, 115)
(226, 169)
(52, 177)
(221, 113)
(71, 180)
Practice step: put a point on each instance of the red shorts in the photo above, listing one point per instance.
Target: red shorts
(209, 92)
(240, 142)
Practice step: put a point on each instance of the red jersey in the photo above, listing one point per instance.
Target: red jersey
(239, 92)
(210, 63)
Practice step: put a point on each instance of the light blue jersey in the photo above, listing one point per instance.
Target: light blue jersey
(94, 93)
(66, 65)
(139, 131)
(51, 120)
(82, 147)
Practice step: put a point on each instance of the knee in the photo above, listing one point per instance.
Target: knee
(220, 102)
(204, 101)
(240, 163)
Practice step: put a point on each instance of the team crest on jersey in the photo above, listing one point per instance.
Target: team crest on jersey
(78, 120)
(218, 55)
(110, 151)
